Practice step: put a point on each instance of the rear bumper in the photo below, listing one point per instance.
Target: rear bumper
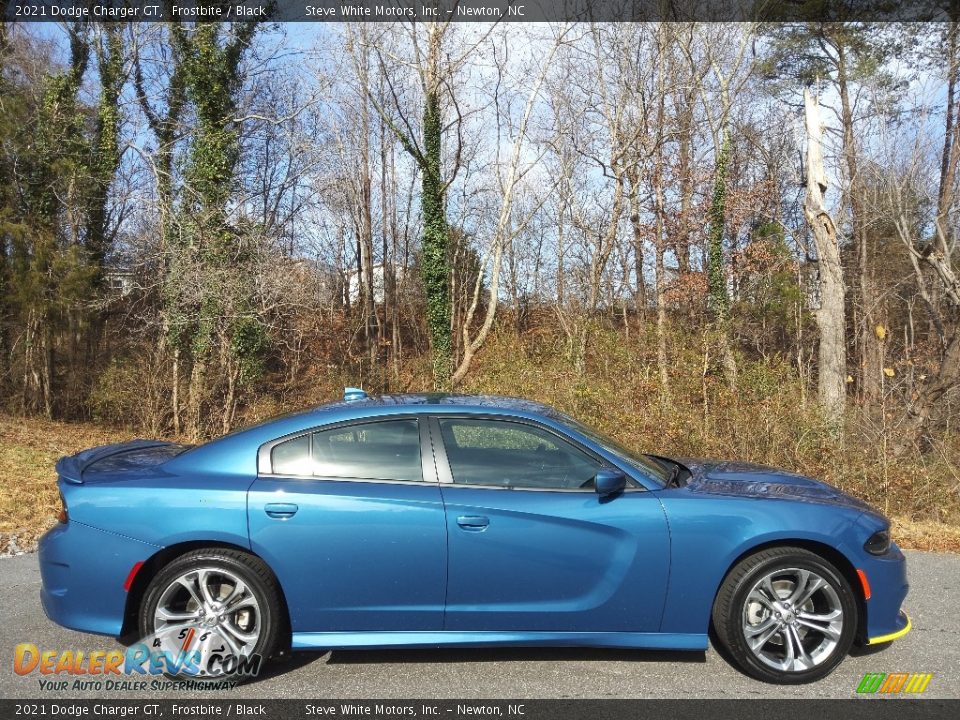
(83, 570)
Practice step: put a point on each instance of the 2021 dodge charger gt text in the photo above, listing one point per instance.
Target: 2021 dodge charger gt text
(451, 520)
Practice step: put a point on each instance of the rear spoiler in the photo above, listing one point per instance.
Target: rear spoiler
(71, 467)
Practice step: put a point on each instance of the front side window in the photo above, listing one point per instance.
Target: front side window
(388, 450)
(514, 455)
(643, 463)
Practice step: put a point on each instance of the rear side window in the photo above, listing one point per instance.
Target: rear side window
(292, 457)
(388, 450)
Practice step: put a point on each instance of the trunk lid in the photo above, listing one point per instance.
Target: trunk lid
(110, 463)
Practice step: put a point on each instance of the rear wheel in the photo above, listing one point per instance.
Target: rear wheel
(786, 615)
(212, 612)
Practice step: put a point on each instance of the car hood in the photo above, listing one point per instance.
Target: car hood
(741, 479)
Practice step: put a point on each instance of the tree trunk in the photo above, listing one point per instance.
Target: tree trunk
(47, 367)
(175, 390)
(371, 322)
(389, 281)
(195, 395)
(640, 288)
(868, 349)
(661, 323)
(660, 287)
(716, 275)
(682, 242)
(230, 398)
(830, 315)
(926, 409)
(951, 144)
(435, 263)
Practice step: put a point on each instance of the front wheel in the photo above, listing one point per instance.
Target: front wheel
(212, 613)
(786, 616)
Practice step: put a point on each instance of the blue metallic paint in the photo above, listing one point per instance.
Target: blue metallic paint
(82, 571)
(579, 565)
(371, 564)
(356, 555)
(164, 509)
(695, 527)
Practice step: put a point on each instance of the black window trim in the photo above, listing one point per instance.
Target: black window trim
(428, 467)
(445, 475)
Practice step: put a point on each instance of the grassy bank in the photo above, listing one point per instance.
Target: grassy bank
(30, 447)
(768, 418)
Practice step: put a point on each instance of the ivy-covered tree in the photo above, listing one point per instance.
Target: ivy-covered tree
(104, 151)
(164, 116)
(62, 157)
(434, 71)
(211, 299)
(436, 270)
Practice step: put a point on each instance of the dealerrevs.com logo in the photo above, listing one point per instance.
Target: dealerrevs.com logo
(141, 666)
(894, 683)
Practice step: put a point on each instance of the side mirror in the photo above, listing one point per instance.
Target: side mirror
(609, 482)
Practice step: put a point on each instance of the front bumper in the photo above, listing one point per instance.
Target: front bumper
(887, 579)
(902, 619)
(82, 570)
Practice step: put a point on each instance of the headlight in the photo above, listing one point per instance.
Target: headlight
(878, 543)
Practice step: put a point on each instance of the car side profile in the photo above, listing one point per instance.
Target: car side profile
(453, 520)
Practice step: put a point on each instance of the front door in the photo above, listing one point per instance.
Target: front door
(353, 530)
(532, 547)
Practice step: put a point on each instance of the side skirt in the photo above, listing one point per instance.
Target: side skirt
(451, 638)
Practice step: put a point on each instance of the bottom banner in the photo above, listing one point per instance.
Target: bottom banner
(895, 709)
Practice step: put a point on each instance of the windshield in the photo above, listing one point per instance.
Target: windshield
(646, 465)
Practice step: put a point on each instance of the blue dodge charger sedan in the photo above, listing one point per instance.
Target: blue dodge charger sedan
(452, 520)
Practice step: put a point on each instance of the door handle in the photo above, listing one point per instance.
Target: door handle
(281, 511)
(473, 523)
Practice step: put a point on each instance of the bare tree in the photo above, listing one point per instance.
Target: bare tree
(507, 226)
(830, 315)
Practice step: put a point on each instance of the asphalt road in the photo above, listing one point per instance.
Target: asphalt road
(933, 647)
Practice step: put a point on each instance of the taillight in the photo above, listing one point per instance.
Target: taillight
(62, 513)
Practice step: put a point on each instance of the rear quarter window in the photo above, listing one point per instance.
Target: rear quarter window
(385, 450)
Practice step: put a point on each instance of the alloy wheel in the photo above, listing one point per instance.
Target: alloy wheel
(210, 610)
(792, 619)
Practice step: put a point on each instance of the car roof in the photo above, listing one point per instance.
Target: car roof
(389, 404)
(501, 402)
(216, 454)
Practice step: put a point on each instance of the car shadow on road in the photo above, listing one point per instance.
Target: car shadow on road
(296, 660)
(513, 654)
(291, 661)
(865, 650)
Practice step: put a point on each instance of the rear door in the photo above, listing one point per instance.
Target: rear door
(532, 547)
(351, 519)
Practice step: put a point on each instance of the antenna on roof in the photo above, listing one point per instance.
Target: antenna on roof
(351, 393)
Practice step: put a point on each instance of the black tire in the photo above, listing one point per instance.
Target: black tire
(731, 615)
(251, 570)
